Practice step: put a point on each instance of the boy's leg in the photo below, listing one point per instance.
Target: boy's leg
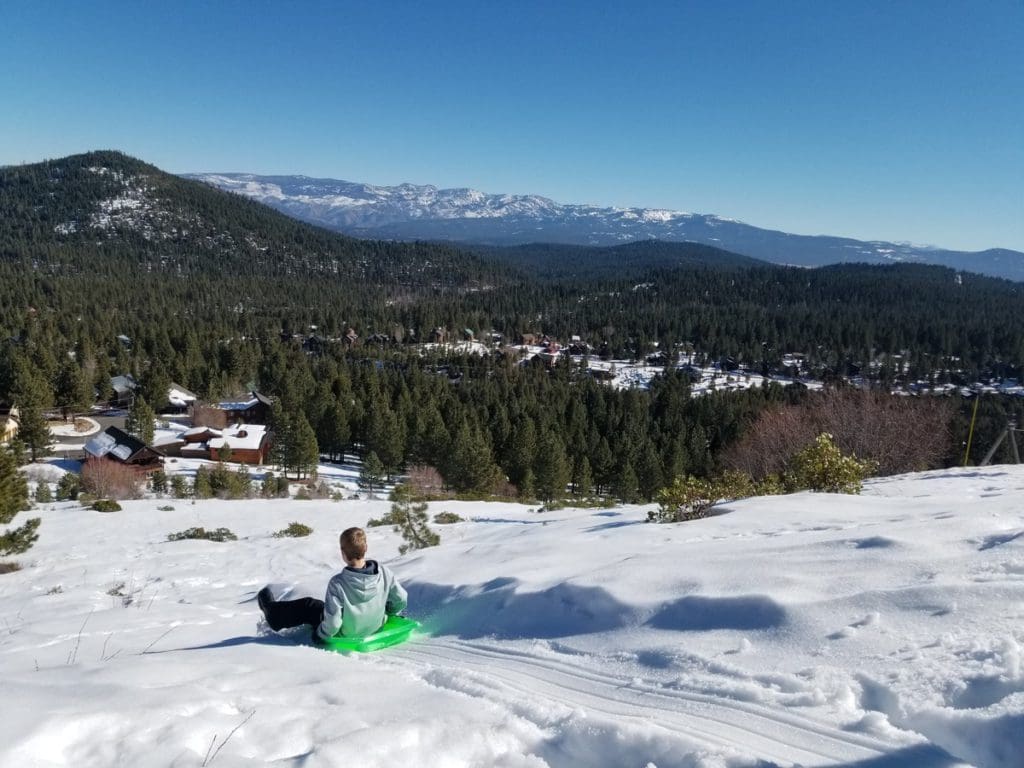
(283, 614)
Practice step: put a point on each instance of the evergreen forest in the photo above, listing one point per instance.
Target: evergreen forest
(109, 266)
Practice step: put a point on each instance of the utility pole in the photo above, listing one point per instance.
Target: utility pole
(1010, 430)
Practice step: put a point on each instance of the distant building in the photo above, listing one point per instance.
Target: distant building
(253, 410)
(9, 427)
(179, 399)
(124, 387)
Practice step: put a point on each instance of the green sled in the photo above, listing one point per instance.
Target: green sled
(396, 629)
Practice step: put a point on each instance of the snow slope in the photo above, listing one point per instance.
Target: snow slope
(816, 630)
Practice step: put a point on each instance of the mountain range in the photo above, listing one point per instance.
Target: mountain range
(424, 212)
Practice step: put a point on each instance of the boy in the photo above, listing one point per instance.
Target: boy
(358, 600)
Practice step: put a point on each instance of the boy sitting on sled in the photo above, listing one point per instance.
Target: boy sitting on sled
(359, 599)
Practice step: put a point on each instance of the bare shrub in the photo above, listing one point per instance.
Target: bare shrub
(208, 416)
(899, 434)
(425, 481)
(771, 441)
(108, 479)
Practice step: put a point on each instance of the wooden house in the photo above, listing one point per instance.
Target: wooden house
(255, 409)
(245, 443)
(114, 444)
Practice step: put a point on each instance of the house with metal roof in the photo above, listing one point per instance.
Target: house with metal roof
(117, 445)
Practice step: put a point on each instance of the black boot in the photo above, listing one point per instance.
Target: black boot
(265, 600)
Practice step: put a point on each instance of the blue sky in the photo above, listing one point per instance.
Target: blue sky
(894, 120)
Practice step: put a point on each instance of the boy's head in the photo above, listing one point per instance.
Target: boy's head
(353, 543)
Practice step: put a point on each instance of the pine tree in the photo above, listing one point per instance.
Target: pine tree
(304, 453)
(155, 385)
(372, 473)
(648, 473)
(602, 464)
(520, 457)
(333, 433)
(13, 486)
(140, 420)
(34, 432)
(42, 494)
(582, 480)
(471, 466)
(73, 390)
(626, 485)
(410, 520)
(13, 499)
(283, 440)
(551, 467)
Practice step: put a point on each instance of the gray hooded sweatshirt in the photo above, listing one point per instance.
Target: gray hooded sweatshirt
(359, 600)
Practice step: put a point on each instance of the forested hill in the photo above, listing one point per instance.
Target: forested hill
(106, 212)
(555, 261)
(100, 245)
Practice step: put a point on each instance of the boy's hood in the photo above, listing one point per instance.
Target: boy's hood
(362, 584)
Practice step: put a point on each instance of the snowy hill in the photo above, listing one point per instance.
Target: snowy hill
(813, 630)
(424, 212)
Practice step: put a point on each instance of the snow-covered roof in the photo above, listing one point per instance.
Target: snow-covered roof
(100, 445)
(238, 405)
(179, 396)
(240, 437)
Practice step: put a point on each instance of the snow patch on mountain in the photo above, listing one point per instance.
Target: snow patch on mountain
(413, 211)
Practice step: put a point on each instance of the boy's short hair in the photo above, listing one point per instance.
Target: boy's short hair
(353, 543)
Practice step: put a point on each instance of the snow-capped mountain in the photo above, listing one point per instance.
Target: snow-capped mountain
(410, 211)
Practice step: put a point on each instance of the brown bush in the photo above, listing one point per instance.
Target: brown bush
(208, 416)
(108, 479)
(425, 481)
(898, 433)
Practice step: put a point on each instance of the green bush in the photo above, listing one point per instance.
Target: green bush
(158, 481)
(69, 487)
(823, 467)
(274, 487)
(221, 482)
(179, 487)
(106, 505)
(447, 518)
(42, 494)
(303, 494)
(166, 508)
(770, 485)
(688, 498)
(218, 534)
(294, 530)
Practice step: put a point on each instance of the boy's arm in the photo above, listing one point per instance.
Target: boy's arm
(398, 598)
(333, 610)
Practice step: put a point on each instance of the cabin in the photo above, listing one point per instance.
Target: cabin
(114, 444)
(124, 387)
(179, 399)
(247, 443)
(255, 409)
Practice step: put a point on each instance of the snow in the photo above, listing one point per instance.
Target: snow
(810, 629)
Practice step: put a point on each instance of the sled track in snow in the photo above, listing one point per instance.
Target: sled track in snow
(529, 686)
